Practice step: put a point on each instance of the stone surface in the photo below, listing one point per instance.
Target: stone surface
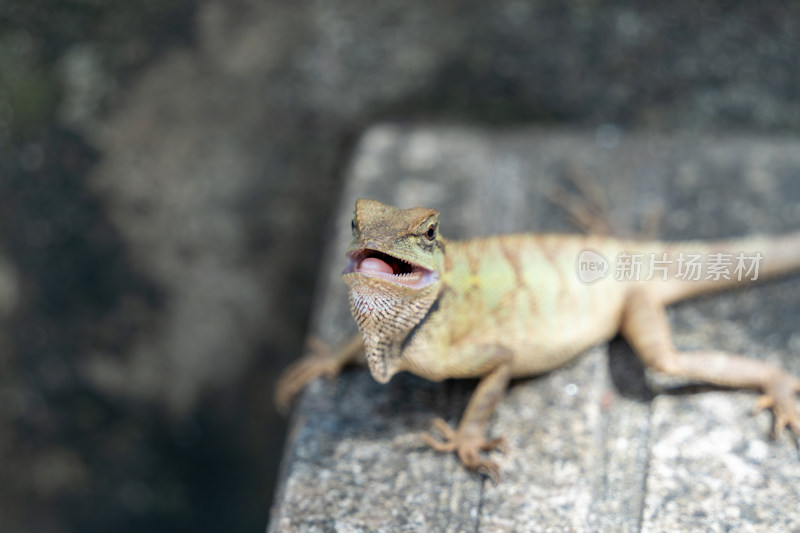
(168, 168)
(599, 444)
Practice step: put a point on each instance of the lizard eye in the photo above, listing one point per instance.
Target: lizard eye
(431, 233)
(353, 225)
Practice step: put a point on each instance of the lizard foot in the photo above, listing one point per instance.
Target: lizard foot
(466, 444)
(588, 208)
(319, 361)
(780, 397)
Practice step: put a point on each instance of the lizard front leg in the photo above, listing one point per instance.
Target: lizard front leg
(646, 328)
(470, 437)
(320, 360)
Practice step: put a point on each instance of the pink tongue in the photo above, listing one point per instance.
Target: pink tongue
(374, 265)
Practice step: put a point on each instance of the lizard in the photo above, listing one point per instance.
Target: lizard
(511, 306)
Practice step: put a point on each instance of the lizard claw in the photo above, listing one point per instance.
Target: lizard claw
(466, 445)
(318, 361)
(780, 397)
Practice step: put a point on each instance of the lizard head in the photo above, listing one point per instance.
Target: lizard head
(400, 246)
(393, 275)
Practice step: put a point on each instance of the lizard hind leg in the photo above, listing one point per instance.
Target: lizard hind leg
(780, 398)
(587, 209)
(590, 210)
(646, 328)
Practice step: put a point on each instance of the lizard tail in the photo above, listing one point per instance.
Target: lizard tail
(702, 267)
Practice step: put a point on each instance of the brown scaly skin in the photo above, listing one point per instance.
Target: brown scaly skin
(514, 306)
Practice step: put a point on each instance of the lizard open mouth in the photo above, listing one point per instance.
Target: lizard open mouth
(382, 265)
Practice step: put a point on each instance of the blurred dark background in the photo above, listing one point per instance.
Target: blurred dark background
(167, 170)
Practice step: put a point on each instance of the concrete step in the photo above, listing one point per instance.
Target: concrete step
(600, 444)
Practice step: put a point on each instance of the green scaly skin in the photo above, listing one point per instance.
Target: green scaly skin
(514, 306)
